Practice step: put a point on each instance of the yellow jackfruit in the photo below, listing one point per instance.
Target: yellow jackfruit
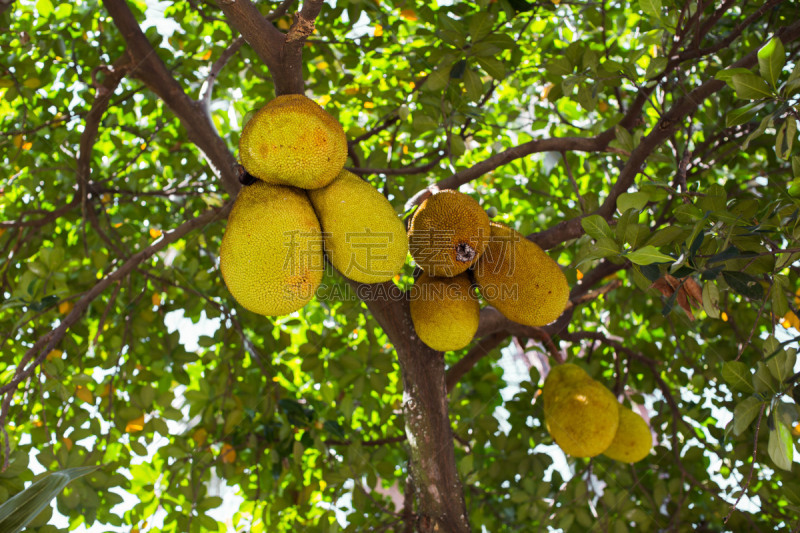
(632, 441)
(558, 380)
(271, 254)
(448, 233)
(444, 311)
(519, 279)
(293, 141)
(364, 238)
(583, 419)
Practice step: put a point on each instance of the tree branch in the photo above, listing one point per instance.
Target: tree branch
(283, 54)
(564, 144)
(669, 122)
(47, 342)
(216, 68)
(148, 67)
(476, 353)
(44, 220)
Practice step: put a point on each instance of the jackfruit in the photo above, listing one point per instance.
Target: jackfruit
(632, 441)
(293, 141)
(444, 311)
(583, 419)
(271, 255)
(448, 233)
(520, 280)
(364, 238)
(558, 380)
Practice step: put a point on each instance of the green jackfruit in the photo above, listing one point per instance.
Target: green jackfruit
(271, 255)
(520, 280)
(448, 233)
(293, 141)
(444, 311)
(633, 440)
(583, 419)
(364, 238)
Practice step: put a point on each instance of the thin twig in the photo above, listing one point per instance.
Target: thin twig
(752, 465)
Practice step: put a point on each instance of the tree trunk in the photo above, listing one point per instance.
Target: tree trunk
(430, 436)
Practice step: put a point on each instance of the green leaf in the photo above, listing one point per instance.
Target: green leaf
(437, 80)
(624, 139)
(457, 72)
(606, 247)
(493, 67)
(632, 200)
(23, 507)
(655, 67)
(780, 365)
(480, 25)
(780, 447)
(791, 133)
(763, 125)
(665, 236)
(763, 380)
(744, 284)
(651, 8)
(727, 74)
(771, 59)
(621, 231)
(793, 83)
(743, 114)
(750, 87)
(473, 84)
(44, 8)
(711, 299)
(559, 66)
(647, 256)
(737, 375)
(744, 413)
(596, 227)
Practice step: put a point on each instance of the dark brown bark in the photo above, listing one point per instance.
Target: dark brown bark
(430, 436)
(282, 53)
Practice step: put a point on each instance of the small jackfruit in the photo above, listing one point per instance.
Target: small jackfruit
(632, 441)
(364, 238)
(444, 311)
(293, 141)
(520, 280)
(271, 254)
(558, 380)
(448, 233)
(583, 419)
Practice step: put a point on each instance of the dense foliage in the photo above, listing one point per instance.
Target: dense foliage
(648, 145)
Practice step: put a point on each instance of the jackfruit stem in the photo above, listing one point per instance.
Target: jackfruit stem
(464, 252)
(245, 178)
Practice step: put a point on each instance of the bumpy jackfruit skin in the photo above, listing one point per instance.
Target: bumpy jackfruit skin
(448, 233)
(583, 420)
(444, 311)
(271, 254)
(558, 380)
(364, 238)
(519, 279)
(632, 441)
(293, 141)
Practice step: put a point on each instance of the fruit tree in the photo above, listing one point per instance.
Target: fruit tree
(647, 147)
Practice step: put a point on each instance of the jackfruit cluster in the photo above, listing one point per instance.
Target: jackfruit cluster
(450, 235)
(302, 206)
(585, 419)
